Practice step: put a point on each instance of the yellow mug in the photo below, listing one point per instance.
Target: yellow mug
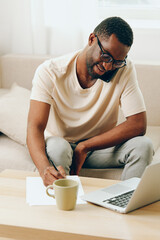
(65, 193)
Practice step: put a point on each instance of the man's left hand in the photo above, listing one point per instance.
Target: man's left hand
(79, 157)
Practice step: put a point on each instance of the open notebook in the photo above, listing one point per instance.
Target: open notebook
(36, 192)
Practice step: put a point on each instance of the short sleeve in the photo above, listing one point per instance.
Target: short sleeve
(43, 84)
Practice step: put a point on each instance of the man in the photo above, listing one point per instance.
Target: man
(76, 98)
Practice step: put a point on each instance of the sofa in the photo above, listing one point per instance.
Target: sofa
(16, 74)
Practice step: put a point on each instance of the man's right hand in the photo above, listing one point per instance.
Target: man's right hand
(49, 175)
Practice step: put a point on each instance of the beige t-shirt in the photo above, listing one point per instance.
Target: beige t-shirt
(78, 113)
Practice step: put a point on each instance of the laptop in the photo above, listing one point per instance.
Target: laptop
(130, 194)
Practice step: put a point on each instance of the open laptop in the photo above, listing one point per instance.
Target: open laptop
(130, 194)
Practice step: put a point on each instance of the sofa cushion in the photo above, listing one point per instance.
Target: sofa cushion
(153, 132)
(157, 156)
(14, 107)
(3, 91)
(14, 155)
(109, 173)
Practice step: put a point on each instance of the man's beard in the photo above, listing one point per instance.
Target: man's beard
(96, 75)
(90, 66)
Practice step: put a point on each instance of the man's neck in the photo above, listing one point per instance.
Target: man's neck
(84, 79)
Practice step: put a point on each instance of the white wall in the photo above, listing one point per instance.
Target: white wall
(18, 35)
(146, 46)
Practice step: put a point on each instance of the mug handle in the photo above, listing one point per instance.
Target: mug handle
(50, 187)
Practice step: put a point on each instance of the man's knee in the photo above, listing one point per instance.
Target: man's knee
(144, 148)
(140, 154)
(60, 152)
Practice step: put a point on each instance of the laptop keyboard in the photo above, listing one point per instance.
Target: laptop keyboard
(120, 200)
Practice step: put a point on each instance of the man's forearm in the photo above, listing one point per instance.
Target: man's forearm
(36, 146)
(115, 136)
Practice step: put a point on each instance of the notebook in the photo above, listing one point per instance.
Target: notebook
(130, 194)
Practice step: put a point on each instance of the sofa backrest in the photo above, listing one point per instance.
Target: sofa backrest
(149, 82)
(21, 69)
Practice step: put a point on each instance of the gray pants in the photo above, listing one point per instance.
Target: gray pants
(133, 155)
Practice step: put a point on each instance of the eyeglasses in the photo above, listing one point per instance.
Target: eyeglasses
(106, 57)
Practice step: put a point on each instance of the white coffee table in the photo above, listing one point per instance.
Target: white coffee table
(19, 221)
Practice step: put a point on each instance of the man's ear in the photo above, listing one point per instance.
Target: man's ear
(91, 39)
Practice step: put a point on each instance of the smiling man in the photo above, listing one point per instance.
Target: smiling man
(76, 99)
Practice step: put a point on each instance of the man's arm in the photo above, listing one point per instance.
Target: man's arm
(134, 126)
(37, 121)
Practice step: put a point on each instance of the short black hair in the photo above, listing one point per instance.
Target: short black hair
(117, 26)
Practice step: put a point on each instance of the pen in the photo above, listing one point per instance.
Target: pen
(54, 165)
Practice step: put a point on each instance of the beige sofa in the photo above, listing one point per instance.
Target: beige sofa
(14, 105)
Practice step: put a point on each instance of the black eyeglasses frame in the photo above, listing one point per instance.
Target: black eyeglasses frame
(111, 59)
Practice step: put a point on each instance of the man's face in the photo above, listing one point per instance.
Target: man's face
(96, 66)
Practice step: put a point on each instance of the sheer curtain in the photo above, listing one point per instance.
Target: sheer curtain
(46, 27)
(57, 27)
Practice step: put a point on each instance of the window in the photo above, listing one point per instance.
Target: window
(138, 13)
